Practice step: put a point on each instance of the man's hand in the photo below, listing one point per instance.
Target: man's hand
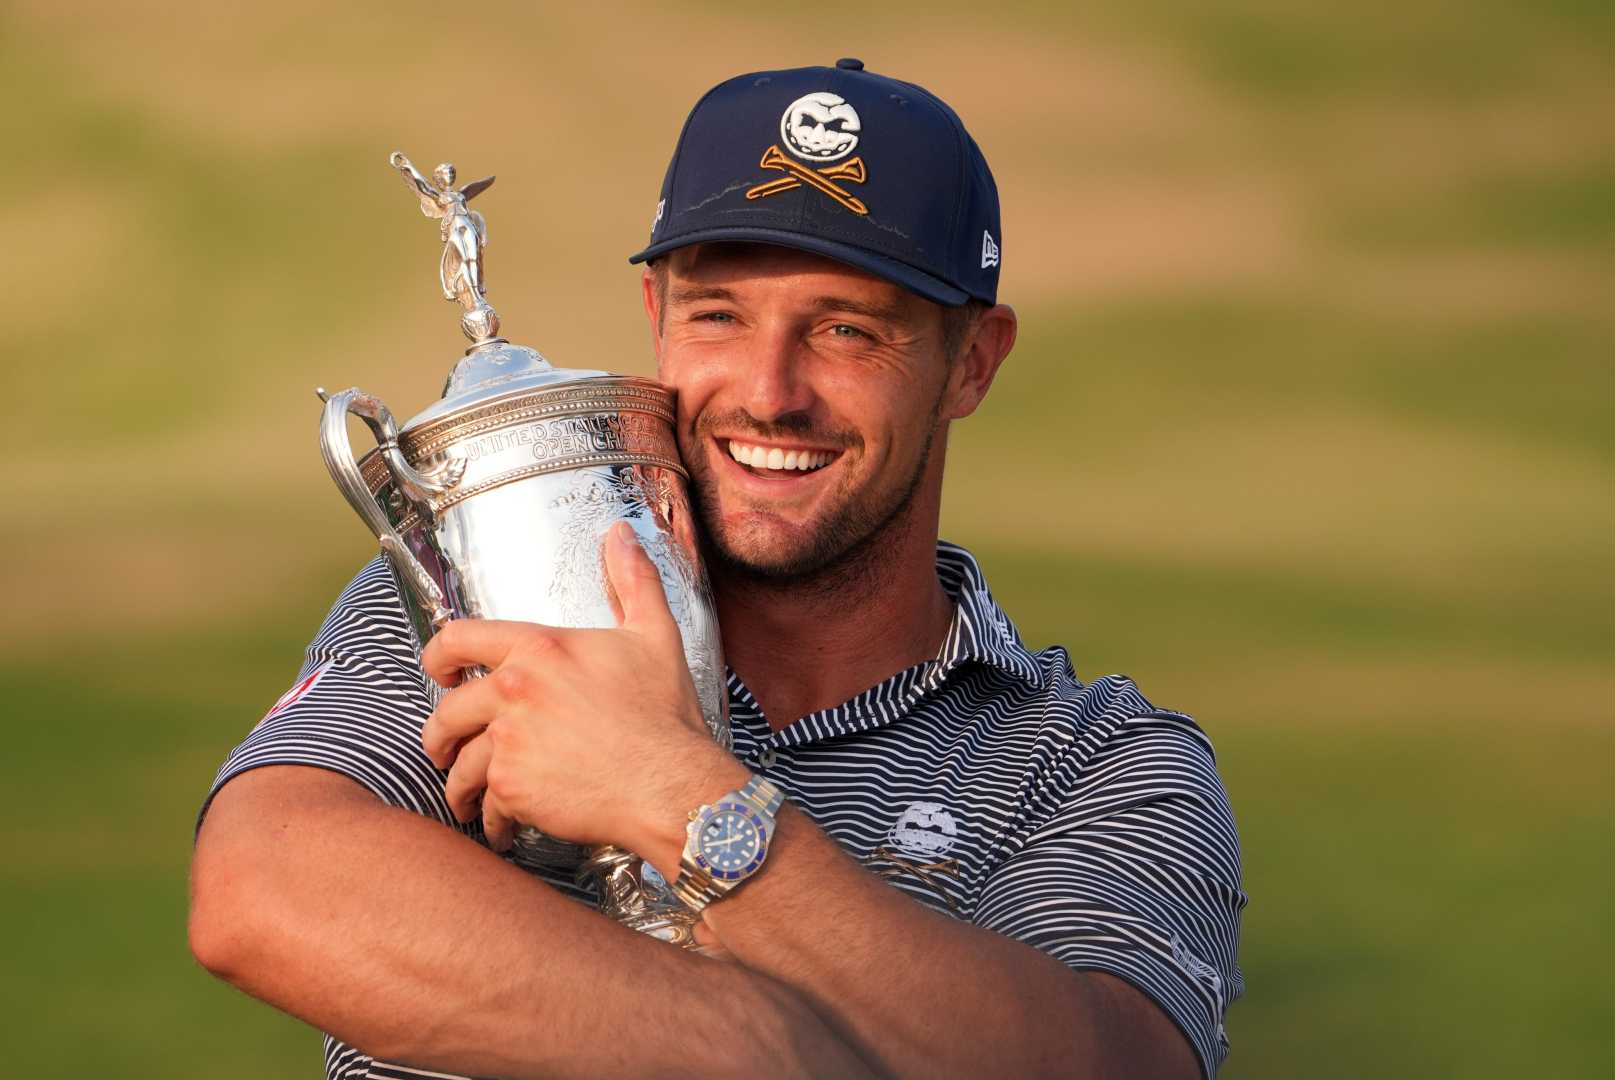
(593, 736)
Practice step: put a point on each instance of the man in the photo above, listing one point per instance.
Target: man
(960, 859)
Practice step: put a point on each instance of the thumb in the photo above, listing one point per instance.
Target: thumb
(640, 602)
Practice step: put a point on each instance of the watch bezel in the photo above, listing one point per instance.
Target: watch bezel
(698, 856)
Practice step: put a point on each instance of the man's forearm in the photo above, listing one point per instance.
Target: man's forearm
(402, 938)
(923, 994)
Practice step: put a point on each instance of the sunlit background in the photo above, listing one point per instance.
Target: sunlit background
(1309, 431)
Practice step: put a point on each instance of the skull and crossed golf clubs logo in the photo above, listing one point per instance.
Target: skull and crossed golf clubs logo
(820, 127)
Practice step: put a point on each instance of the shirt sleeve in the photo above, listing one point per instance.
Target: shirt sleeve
(1137, 874)
(357, 706)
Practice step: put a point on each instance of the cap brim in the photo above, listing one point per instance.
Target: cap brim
(898, 273)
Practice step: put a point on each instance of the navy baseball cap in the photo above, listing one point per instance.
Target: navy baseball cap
(841, 162)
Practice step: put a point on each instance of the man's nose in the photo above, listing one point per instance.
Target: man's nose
(775, 376)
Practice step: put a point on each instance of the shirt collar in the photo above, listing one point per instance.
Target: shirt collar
(980, 631)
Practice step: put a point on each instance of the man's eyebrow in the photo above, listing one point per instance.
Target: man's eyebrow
(829, 304)
(882, 312)
(690, 294)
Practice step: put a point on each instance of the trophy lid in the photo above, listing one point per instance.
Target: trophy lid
(493, 368)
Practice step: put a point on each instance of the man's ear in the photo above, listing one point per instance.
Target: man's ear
(653, 312)
(984, 350)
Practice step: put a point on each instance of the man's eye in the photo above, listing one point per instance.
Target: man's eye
(846, 331)
(714, 316)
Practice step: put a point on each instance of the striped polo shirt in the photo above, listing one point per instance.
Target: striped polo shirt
(989, 784)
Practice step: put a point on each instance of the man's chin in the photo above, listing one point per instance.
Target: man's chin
(832, 540)
(766, 555)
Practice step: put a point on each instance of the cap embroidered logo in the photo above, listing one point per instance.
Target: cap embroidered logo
(817, 127)
(989, 250)
(820, 127)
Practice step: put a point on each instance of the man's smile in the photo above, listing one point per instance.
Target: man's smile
(775, 461)
(771, 457)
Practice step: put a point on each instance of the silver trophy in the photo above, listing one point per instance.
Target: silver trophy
(494, 503)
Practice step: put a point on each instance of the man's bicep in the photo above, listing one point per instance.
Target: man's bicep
(1142, 1035)
(255, 798)
(1138, 880)
(238, 860)
(245, 811)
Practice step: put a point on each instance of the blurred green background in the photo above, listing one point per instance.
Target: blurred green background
(1309, 431)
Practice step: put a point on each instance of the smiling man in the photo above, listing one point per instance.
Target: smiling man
(932, 851)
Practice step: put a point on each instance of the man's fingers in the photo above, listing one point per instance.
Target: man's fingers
(469, 777)
(461, 715)
(497, 826)
(641, 603)
(465, 643)
(708, 944)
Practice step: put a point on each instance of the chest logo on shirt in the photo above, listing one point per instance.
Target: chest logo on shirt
(925, 829)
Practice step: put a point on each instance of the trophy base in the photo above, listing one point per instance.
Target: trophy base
(634, 894)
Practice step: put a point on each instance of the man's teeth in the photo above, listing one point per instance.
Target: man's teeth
(766, 457)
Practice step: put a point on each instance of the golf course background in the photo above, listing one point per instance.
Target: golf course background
(1308, 430)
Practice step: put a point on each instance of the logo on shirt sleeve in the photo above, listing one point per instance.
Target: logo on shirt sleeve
(304, 685)
(1197, 968)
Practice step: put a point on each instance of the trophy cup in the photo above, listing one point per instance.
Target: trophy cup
(495, 500)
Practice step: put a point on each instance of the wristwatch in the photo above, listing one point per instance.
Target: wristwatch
(726, 842)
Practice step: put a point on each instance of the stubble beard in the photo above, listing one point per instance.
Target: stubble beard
(855, 545)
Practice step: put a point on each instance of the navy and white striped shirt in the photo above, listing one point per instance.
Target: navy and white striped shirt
(988, 783)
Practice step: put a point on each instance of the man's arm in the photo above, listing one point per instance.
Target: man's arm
(596, 736)
(410, 941)
(924, 994)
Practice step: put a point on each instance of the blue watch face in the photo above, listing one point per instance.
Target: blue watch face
(731, 843)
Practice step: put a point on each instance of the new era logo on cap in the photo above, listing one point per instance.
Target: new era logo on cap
(876, 173)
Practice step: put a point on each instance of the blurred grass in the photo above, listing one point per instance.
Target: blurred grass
(1308, 431)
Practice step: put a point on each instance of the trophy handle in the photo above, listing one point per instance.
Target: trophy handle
(417, 487)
